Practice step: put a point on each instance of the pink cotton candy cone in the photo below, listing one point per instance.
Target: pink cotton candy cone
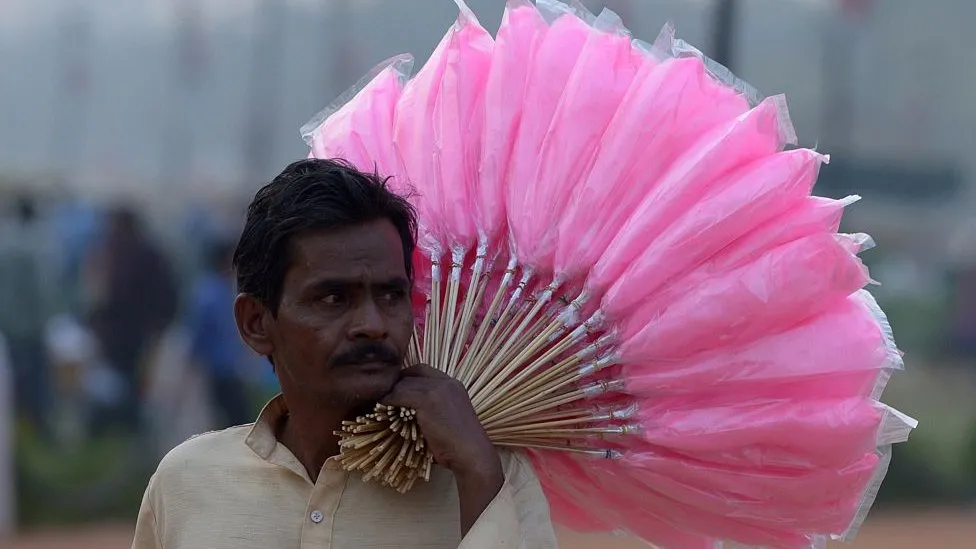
(602, 74)
(414, 139)
(521, 30)
(459, 116)
(817, 516)
(549, 72)
(771, 433)
(565, 507)
(844, 339)
(748, 197)
(572, 480)
(762, 131)
(815, 215)
(782, 288)
(361, 130)
(776, 487)
(667, 107)
(636, 497)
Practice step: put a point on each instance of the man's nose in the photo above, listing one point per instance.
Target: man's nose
(368, 322)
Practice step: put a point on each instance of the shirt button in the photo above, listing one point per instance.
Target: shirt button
(317, 517)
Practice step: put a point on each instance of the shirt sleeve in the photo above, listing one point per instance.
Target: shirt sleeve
(147, 534)
(518, 517)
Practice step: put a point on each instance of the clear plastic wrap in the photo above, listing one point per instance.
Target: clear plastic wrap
(762, 131)
(458, 119)
(549, 72)
(668, 106)
(781, 288)
(851, 350)
(601, 76)
(358, 126)
(518, 37)
(746, 197)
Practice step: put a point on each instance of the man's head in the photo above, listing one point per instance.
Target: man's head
(324, 270)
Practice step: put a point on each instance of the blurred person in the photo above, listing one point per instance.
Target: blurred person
(133, 298)
(78, 225)
(325, 274)
(215, 345)
(24, 309)
(963, 315)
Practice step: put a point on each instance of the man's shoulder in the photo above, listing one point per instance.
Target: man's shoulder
(222, 448)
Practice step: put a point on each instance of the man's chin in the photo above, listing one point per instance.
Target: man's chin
(362, 393)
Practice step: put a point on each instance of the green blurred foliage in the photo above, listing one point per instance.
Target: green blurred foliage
(100, 479)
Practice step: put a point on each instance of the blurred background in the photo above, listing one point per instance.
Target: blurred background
(134, 132)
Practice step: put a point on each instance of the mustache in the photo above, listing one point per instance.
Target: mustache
(368, 352)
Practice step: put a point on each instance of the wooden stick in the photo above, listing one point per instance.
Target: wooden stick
(489, 348)
(535, 422)
(504, 386)
(475, 290)
(450, 311)
(493, 379)
(431, 343)
(415, 354)
(561, 433)
(500, 351)
(552, 380)
(543, 446)
(486, 325)
(548, 404)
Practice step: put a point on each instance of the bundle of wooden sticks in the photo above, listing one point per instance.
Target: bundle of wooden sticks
(522, 369)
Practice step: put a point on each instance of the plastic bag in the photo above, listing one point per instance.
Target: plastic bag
(358, 127)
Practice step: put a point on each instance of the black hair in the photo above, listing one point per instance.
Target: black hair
(312, 195)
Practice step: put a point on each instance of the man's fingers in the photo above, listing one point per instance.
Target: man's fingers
(407, 393)
(423, 370)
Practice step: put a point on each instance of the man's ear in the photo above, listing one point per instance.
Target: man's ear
(253, 318)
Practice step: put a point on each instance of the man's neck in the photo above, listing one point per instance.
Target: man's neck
(308, 431)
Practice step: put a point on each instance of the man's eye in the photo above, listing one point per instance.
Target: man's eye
(394, 296)
(332, 299)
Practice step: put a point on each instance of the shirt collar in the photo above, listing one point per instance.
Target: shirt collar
(262, 439)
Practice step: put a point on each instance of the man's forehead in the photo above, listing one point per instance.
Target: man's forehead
(349, 251)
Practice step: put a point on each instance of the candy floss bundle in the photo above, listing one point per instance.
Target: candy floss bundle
(621, 259)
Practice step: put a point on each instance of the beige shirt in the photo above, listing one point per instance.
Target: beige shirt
(240, 488)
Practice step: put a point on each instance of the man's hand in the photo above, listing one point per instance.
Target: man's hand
(454, 435)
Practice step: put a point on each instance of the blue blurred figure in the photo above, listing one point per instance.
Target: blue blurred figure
(214, 341)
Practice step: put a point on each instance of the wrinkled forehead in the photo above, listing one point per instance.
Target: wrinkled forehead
(367, 251)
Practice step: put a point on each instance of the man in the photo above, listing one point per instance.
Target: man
(324, 271)
(215, 345)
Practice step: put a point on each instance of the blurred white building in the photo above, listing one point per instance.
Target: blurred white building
(905, 68)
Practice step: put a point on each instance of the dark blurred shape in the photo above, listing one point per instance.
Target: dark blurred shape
(723, 32)
(134, 298)
(913, 479)
(215, 346)
(877, 179)
(26, 210)
(24, 309)
(962, 315)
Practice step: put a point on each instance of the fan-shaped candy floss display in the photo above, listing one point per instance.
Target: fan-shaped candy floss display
(625, 267)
